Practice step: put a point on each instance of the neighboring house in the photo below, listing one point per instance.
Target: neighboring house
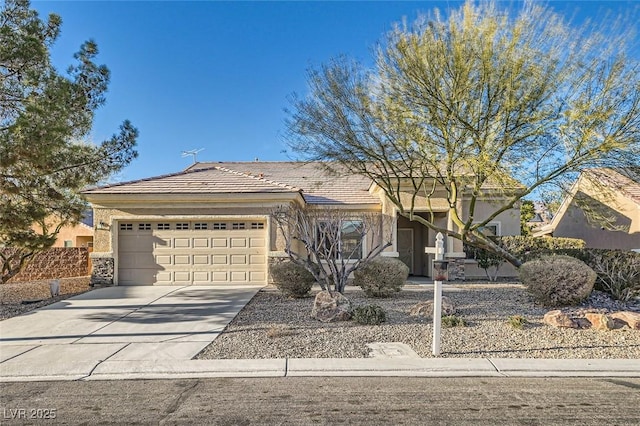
(211, 223)
(80, 235)
(603, 209)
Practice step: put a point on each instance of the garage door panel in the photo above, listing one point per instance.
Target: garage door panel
(191, 255)
(219, 259)
(201, 243)
(238, 242)
(181, 243)
(182, 259)
(239, 276)
(200, 259)
(219, 242)
(238, 259)
(257, 242)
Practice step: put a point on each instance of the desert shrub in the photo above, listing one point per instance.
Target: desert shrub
(291, 279)
(558, 280)
(369, 314)
(517, 321)
(485, 260)
(381, 277)
(449, 321)
(618, 271)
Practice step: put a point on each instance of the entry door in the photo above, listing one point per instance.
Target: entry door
(405, 247)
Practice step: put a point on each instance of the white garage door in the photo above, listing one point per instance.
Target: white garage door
(196, 252)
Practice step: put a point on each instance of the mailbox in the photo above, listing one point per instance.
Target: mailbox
(440, 270)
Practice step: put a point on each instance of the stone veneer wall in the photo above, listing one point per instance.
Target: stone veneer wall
(103, 271)
(455, 269)
(56, 263)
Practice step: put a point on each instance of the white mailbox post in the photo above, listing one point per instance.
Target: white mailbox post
(438, 250)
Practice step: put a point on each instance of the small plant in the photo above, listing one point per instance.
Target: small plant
(517, 321)
(369, 315)
(558, 280)
(449, 321)
(381, 277)
(292, 279)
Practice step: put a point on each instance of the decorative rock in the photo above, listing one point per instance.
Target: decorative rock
(599, 321)
(632, 319)
(557, 318)
(425, 309)
(331, 306)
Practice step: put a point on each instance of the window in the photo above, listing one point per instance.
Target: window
(126, 226)
(163, 226)
(219, 225)
(200, 226)
(238, 225)
(491, 229)
(342, 239)
(144, 227)
(68, 243)
(257, 225)
(182, 226)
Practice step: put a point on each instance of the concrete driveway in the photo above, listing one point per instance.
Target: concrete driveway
(71, 338)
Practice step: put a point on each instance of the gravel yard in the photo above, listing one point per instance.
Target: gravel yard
(272, 326)
(18, 298)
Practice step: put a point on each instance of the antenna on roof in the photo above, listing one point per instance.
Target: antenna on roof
(193, 153)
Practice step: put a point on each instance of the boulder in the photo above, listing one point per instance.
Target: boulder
(425, 309)
(557, 318)
(331, 306)
(632, 319)
(599, 321)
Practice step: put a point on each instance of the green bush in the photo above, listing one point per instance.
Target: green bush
(449, 321)
(618, 271)
(291, 279)
(527, 248)
(381, 277)
(369, 314)
(517, 321)
(558, 280)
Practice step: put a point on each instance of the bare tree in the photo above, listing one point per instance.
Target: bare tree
(331, 243)
(482, 105)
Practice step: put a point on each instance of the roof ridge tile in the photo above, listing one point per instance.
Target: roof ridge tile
(260, 179)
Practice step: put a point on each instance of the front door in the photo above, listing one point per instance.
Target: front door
(405, 247)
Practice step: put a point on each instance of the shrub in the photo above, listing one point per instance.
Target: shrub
(618, 271)
(449, 321)
(527, 248)
(369, 314)
(558, 280)
(292, 279)
(517, 321)
(485, 260)
(381, 277)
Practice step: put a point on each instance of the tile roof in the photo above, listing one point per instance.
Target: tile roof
(210, 180)
(625, 180)
(318, 185)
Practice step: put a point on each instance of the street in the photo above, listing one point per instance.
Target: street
(325, 400)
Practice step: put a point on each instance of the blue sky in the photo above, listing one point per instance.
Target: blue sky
(217, 75)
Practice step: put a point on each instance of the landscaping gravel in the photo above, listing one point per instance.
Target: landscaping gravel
(20, 297)
(272, 326)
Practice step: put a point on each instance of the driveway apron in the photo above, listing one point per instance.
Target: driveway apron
(70, 338)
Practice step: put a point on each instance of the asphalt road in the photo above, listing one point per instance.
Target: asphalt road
(325, 400)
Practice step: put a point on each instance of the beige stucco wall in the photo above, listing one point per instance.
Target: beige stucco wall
(622, 211)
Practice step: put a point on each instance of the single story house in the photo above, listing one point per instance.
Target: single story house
(80, 235)
(602, 208)
(212, 224)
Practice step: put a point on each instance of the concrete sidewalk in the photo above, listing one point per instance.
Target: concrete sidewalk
(110, 369)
